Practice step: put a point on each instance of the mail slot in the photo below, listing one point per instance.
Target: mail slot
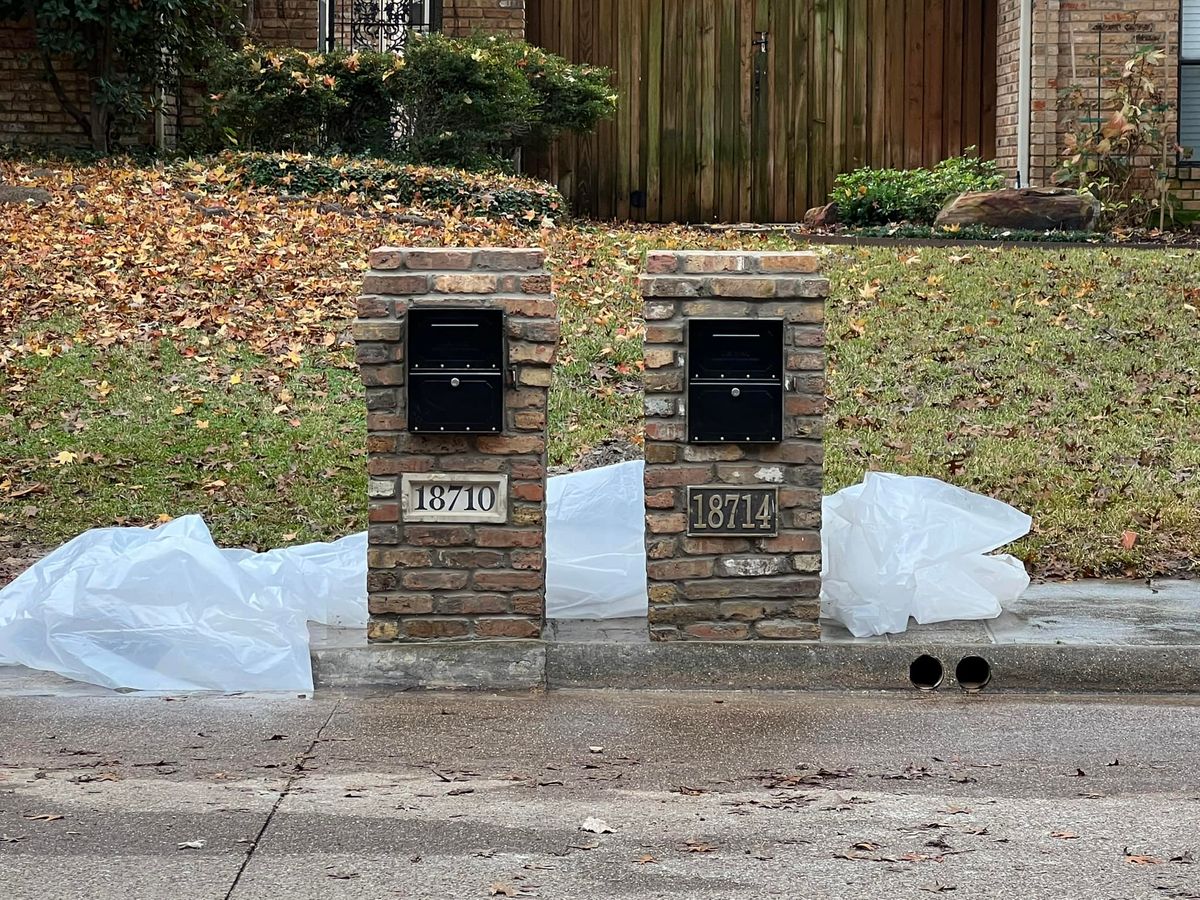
(455, 370)
(735, 381)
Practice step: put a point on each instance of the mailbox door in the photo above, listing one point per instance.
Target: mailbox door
(735, 413)
(456, 403)
(455, 339)
(735, 350)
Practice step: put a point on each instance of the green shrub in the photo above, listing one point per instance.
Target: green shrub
(521, 200)
(467, 102)
(879, 196)
(286, 99)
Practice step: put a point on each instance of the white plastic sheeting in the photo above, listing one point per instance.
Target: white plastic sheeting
(595, 543)
(167, 610)
(897, 546)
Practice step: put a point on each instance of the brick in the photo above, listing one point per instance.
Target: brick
(527, 559)
(527, 515)
(530, 420)
(382, 376)
(708, 261)
(398, 558)
(507, 537)
(673, 569)
(658, 263)
(666, 523)
(662, 549)
(383, 630)
(505, 259)
(439, 258)
(658, 357)
(681, 613)
(508, 627)
(713, 452)
(534, 329)
(437, 535)
(665, 431)
(471, 559)
(800, 542)
(527, 306)
(661, 454)
(436, 580)
(528, 604)
(373, 354)
(664, 334)
(803, 261)
(787, 630)
(712, 546)
(536, 284)
(669, 286)
(525, 352)
(662, 593)
(657, 310)
(669, 381)
(436, 628)
(386, 258)
(743, 287)
(661, 499)
(535, 491)
(465, 284)
(677, 476)
(718, 631)
(534, 377)
(741, 610)
(507, 581)
(660, 407)
(371, 308)
(384, 512)
(511, 444)
(751, 566)
(753, 588)
(471, 604)
(379, 283)
(400, 604)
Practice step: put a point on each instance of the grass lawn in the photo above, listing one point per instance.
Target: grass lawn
(161, 355)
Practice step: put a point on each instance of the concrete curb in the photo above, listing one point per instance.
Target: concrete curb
(474, 665)
(812, 665)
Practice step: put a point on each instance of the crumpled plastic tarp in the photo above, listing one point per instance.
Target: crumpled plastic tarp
(595, 543)
(165, 609)
(898, 546)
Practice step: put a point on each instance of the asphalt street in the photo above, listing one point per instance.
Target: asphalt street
(597, 794)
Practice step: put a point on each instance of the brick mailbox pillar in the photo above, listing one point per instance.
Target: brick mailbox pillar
(734, 396)
(455, 348)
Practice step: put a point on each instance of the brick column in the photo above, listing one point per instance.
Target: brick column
(733, 588)
(458, 580)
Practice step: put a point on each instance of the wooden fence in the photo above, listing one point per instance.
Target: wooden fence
(744, 110)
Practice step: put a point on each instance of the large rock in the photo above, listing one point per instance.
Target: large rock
(1035, 209)
(11, 193)
(822, 216)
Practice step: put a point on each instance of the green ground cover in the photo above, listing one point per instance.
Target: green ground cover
(164, 351)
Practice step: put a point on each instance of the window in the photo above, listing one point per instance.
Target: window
(375, 24)
(1189, 79)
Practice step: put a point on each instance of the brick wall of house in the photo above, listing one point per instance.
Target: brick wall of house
(30, 114)
(463, 17)
(1073, 42)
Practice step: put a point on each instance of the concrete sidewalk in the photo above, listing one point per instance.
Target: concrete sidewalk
(731, 795)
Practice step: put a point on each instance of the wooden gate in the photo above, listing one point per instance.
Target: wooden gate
(745, 110)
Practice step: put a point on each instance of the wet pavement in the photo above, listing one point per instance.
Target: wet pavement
(730, 795)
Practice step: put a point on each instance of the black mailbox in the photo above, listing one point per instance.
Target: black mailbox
(735, 381)
(456, 364)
